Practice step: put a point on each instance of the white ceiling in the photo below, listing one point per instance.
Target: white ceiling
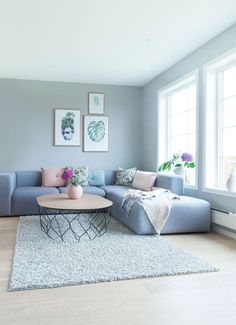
(125, 42)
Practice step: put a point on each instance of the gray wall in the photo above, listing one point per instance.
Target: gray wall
(196, 60)
(26, 120)
(27, 124)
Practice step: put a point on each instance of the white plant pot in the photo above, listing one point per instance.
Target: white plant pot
(180, 171)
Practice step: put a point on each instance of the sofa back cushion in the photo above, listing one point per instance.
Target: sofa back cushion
(110, 177)
(26, 178)
(34, 178)
(170, 181)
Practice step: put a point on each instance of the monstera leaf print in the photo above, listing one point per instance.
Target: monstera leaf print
(95, 100)
(96, 131)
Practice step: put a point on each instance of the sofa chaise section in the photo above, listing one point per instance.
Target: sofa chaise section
(187, 214)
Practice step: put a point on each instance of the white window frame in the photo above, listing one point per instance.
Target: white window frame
(211, 79)
(162, 95)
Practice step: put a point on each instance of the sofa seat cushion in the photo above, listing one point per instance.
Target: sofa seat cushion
(122, 189)
(188, 214)
(115, 192)
(24, 199)
(88, 190)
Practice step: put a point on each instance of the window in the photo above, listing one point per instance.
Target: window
(220, 153)
(177, 121)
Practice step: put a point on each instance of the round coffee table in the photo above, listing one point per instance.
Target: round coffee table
(88, 215)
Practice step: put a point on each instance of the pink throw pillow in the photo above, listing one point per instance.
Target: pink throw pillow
(52, 176)
(144, 180)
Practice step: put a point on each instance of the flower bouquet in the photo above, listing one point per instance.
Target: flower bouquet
(71, 176)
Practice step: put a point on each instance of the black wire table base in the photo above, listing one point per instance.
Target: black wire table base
(61, 223)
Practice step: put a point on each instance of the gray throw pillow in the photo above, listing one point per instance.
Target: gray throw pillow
(83, 173)
(125, 176)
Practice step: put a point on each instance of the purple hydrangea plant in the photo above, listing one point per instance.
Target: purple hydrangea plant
(187, 157)
(178, 160)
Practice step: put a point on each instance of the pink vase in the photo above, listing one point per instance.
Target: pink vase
(74, 191)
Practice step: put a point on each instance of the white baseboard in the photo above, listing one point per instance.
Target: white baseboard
(224, 232)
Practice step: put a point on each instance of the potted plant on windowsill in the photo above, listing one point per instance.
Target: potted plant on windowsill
(74, 189)
(178, 163)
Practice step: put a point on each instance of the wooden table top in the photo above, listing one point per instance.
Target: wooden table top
(85, 202)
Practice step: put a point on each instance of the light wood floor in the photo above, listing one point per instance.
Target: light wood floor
(208, 298)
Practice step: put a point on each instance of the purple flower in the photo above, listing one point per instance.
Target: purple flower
(187, 157)
(68, 173)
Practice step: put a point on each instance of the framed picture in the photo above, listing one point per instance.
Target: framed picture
(67, 127)
(95, 133)
(96, 103)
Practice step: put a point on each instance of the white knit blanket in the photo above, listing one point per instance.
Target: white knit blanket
(157, 205)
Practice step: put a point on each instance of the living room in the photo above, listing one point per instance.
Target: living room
(136, 59)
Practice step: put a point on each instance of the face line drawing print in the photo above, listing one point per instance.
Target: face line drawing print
(67, 126)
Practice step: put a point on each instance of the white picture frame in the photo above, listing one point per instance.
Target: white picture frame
(95, 133)
(96, 103)
(67, 127)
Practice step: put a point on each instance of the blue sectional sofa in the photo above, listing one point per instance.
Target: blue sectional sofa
(19, 189)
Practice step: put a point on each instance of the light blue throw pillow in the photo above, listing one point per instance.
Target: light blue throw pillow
(96, 177)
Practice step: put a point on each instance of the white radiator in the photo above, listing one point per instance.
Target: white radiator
(222, 220)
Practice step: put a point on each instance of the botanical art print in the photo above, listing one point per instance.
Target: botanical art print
(95, 133)
(67, 127)
(96, 103)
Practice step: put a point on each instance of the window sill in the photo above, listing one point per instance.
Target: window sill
(190, 187)
(222, 192)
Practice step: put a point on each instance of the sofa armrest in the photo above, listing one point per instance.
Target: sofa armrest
(7, 186)
(172, 182)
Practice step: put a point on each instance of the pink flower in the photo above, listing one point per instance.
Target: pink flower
(68, 174)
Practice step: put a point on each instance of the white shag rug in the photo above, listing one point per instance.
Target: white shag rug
(41, 262)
